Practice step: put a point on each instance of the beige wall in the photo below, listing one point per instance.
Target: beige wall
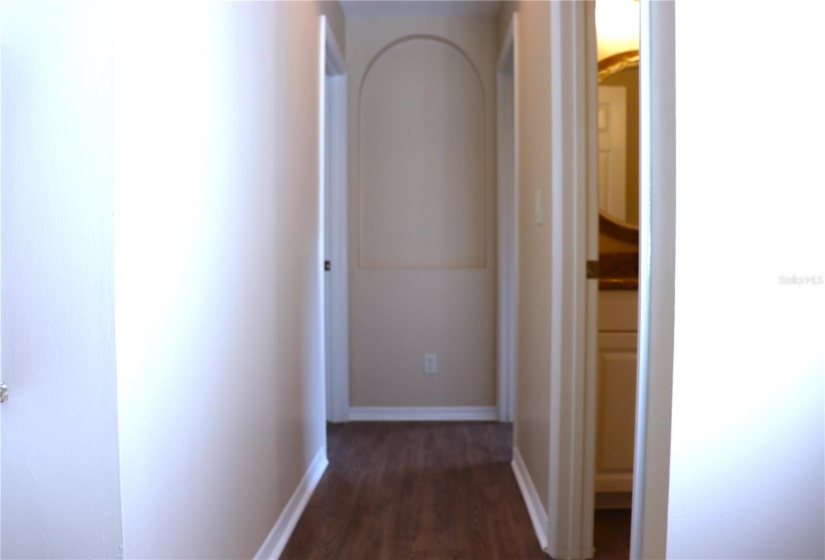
(532, 411)
(217, 271)
(422, 237)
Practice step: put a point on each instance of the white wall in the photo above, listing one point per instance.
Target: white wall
(422, 219)
(60, 488)
(747, 476)
(220, 380)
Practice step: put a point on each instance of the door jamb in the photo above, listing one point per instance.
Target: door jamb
(507, 218)
(1, 245)
(333, 169)
(657, 245)
(572, 374)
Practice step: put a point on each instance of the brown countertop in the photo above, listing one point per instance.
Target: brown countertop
(618, 283)
(619, 271)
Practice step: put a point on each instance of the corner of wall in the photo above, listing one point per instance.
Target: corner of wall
(278, 537)
(538, 516)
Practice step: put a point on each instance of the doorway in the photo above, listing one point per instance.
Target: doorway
(507, 208)
(655, 236)
(444, 275)
(333, 222)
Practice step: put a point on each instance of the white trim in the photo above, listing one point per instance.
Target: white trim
(422, 413)
(276, 541)
(334, 88)
(506, 55)
(322, 211)
(657, 243)
(1, 190)
(531, 498)
(591, 342)
(570, 500)
(334, 58)
(338, 276)
(507, 208)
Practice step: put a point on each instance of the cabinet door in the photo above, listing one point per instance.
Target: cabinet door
(616, 413)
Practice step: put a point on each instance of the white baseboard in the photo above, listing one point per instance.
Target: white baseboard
(531, 498)
(279, 535)
(422, 413)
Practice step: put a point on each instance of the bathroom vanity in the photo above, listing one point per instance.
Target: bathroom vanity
(616, 389)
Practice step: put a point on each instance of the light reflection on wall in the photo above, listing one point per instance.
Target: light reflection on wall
(617, 26)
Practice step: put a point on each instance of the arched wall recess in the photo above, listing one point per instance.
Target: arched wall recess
(411, 292)
(422, 172)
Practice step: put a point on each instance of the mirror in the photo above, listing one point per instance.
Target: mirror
(618, 125)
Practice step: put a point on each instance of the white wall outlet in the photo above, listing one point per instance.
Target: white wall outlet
(430, 364)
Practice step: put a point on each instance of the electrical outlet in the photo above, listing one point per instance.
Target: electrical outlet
(430, 364)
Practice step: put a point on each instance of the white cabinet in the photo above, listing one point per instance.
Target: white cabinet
(616, 390)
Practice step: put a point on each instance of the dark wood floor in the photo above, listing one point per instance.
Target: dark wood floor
(428, 491)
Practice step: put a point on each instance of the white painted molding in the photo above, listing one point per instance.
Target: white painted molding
(591, 343)
(507, 209)
(276, 541)
(531, 498)
(422, 413)
(334, 57)
(572, 384)
(657, 248)
(323, 187)
(505, 55)
(334, 151)
(1, 372)
(339, 257)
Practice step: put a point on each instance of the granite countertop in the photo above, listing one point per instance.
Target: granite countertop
(619, 271)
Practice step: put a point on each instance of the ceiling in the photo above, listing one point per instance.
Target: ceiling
(385, 8)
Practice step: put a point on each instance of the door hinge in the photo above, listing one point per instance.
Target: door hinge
(327, 266)
(592, 269)
(4, 393)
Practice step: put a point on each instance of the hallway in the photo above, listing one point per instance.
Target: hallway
(439, 490)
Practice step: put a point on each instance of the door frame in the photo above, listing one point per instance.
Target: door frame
(574, 211)
(507, 218)
(337, 344)
(333, 222)
(657, 249)
(1, 260)
(572, 441)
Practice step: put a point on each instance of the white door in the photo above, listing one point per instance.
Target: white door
(334, 151)
(2, 387)
(612, 122)
(2, 397)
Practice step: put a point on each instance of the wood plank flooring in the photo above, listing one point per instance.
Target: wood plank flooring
(422, 491)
